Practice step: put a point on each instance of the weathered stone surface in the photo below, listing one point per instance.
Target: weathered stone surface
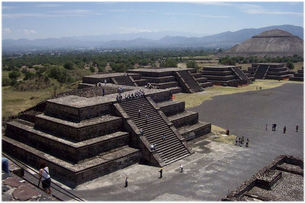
(25, 192)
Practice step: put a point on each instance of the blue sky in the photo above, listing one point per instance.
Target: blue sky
(33, 20)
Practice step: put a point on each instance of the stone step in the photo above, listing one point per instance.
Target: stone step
(171, 107)
(206, 84)
(153, 133)
(193, 131)
(65, 149)
(83, 130)
(202, 80)
(175, 90)
(166, 85)
(196, 75)
(184, 118)
(73, 174)
(219, 77)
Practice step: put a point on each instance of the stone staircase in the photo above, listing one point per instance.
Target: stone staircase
(188, 81)
(242, 76)
(261, 72)
(169, 149)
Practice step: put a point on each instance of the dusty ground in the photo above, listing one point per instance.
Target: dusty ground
(216, 168)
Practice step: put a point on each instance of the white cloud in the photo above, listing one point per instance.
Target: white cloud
(256, 9)
(29, 31)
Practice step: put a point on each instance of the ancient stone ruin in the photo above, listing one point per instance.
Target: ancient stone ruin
(298, 76)
(175, 79)
(275, 71)
(225, 75)
(282, 180)
(82, 135)
(270, 43)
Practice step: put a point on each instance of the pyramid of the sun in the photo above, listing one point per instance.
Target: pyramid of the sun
(270, 43)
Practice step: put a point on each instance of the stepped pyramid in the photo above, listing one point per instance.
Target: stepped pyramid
(269, 43)
(82, 135)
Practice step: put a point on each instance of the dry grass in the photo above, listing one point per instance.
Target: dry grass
(195, 99)
(14, 101)
(219, 135)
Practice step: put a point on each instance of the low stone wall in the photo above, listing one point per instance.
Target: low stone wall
(160, 79)
(186, 120)
(172, 109)
(74, 114)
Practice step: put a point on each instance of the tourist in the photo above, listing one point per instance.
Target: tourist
(236, 140)
(46, 178)
(152, 147)
(247, 143)
(161, 172)
(5, 165)
(141, 132)
(273, 127)
(284, 129)
(181, 168)
(103, 91)
(126, 182)
(163, 137)
(146, 118)
(105, 81)
(266, 127)
(139, 113)
(297, 128)
(242, 140)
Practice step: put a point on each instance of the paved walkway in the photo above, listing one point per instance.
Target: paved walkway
(216, 168)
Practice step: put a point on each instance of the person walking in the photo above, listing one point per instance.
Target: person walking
(139, 113)
(46, 178)
(266, 127)
(284, 129)
(126, 182)
(146, 118)
(141, 132)
(5, 165)
(161, 173)
(297, 128)
(181, 168)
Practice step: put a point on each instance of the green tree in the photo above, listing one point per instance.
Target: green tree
(68, 66)
(290, 65)
(14, 75)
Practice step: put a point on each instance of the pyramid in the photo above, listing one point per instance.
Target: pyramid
(270, 43)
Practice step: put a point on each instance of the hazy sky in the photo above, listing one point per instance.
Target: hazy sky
(59, 19)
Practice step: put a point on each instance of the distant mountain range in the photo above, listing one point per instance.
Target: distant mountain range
(222, 40)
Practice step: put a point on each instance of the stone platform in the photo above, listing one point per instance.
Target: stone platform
(81, 138)
(282, 180)
(224, 75)
(275, 71)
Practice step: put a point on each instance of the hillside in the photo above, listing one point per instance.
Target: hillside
(221, 40)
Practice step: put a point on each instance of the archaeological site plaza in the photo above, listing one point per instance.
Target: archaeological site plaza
(116, 120)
